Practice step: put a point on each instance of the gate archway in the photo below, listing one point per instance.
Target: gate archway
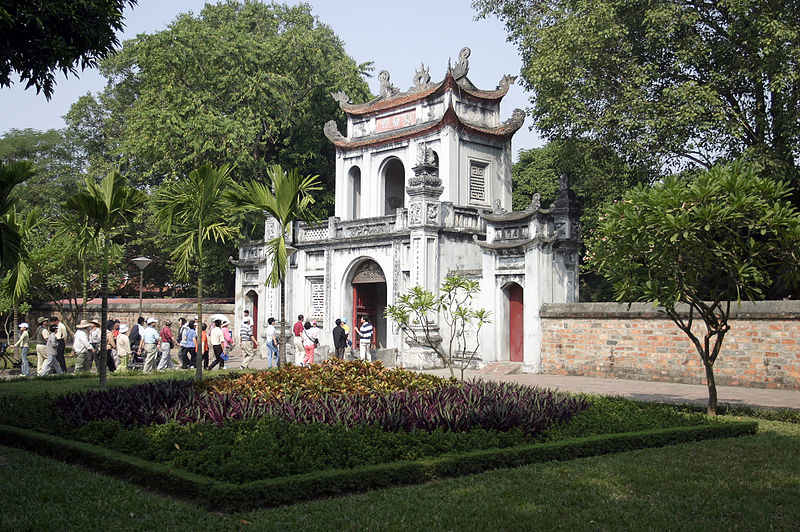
(369, 299)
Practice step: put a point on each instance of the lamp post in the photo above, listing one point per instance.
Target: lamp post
(141, 263)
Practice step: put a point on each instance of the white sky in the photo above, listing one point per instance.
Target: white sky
(395, 35)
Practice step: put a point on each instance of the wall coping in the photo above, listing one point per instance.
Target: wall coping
(747, 310)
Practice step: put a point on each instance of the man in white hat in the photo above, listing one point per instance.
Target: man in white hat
(82, 348)
(149, 347)
(123, 347)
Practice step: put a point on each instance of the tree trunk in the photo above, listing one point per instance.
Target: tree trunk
(198, 358)
(712, 389)
(85, 291)
(101, 352)
(282, 337)
(17, 350)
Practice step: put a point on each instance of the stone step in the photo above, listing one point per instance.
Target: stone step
(501, 368)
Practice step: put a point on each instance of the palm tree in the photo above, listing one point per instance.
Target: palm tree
(11, 175)
(198, 210)
(287, 199)
(108, 205)
(16, 282)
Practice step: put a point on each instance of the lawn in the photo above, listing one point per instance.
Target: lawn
(748, 483)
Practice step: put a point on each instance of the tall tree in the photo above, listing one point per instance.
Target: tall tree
(198, 210)
(41, 37)
(109, 205)
(597, 174)
(287, 199)
(60, 164)
(244, 83)
(676, 82)
(720, 238)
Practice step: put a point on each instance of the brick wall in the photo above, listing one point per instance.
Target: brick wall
(127, 310)
(762, 349)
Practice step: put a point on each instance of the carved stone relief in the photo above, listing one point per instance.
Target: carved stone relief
(433, 214)
(415, 214)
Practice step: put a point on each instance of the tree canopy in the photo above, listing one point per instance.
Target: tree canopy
(671, 82)
(245, 84)
(40, 37)
(725, 236)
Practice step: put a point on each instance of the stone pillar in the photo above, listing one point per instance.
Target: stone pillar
(567, 211)
(424, 220)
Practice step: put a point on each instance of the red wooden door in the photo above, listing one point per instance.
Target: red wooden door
(365, 297)
(515, 324)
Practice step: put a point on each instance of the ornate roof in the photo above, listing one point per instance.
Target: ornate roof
(449, 118)
(455, 78)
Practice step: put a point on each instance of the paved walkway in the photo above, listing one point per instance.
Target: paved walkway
(647, 390)
(635, 389)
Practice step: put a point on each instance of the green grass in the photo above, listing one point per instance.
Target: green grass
(749, 483)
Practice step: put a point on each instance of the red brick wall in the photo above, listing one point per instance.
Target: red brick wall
(762, 349)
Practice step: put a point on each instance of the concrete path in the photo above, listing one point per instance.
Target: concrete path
(640, 390)
(647, 390)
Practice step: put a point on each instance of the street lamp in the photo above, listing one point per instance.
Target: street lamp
(141, 263)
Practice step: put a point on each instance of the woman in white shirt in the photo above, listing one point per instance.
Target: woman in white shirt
(310, 341)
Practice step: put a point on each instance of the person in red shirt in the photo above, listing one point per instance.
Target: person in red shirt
(167, 343)
(299, 351)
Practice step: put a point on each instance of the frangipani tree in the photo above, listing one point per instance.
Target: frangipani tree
(722, 237)
(413, 310)
(198, 210)
(287, 198)
(109, 205)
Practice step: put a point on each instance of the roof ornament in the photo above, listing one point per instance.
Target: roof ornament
(387, 89)
(506, 82)
(462, 67)
(421, 78)
(331, 130)
(535, 204)
(341, 97)
(497, 208)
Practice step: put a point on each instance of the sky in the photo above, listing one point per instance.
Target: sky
(395, 35)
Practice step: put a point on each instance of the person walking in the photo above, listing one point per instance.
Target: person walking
(202, 333)
(24, 345)
(112, 359)
(189, 343)
(364, 338)
(123, 347)
(183, 350)
(167, 343)
(227, 340)
(149, 346)
(339, 340)
(82, 347)
(61, 339)
(136, 335)
(248, 344)
(51, 353)
(271, 340)
(217, 338)
(40, 340)
(299, 350)
(310, 341)
(95, 334)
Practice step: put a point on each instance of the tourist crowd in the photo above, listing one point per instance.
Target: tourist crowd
(146, 346)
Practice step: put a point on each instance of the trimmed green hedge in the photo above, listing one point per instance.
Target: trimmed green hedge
(218, 495)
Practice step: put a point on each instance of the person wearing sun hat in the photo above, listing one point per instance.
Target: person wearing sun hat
(82, 347)
(51, 353)
(149, 346)
(40, 339)
(24, 346)
(123, 347)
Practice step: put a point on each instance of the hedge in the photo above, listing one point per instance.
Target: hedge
(227, 496)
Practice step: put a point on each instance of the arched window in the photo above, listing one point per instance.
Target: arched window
(394, 176)
(355, 188)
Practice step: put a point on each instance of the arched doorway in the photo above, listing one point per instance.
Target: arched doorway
(516, 331)
(355, 186)
(251, 304)
(394, 180)
(369, 299)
